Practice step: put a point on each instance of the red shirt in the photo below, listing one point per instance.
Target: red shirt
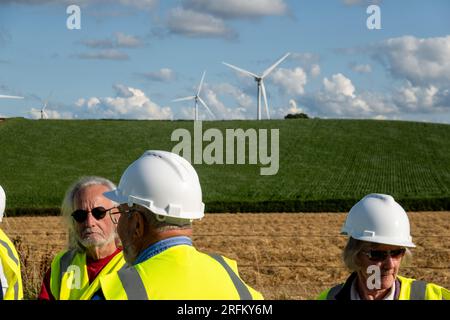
(93, 269)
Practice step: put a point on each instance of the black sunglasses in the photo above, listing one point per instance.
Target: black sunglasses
(98, 213)
(381, 255)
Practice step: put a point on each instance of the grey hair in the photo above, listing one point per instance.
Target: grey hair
(354, 247)
(69, 204)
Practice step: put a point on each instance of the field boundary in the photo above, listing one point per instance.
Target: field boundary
(331, 205)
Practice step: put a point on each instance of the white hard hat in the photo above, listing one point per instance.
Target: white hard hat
(164, 183)
(2, 202)
(378, 218)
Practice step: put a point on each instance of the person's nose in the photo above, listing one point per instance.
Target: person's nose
(389, 262)
(90, 220)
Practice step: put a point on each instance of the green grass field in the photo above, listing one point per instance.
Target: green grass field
(325, 165)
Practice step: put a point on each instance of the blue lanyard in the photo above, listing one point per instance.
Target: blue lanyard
(161, 246)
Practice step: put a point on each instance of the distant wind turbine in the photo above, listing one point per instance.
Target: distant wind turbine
(197, 98)
(260, 83)
(42, 112)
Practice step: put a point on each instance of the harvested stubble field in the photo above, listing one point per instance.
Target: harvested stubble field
(285, 256)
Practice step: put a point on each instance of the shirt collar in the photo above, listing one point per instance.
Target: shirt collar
(161, 246)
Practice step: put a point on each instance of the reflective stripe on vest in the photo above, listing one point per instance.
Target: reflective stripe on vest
(65, 262)
(14, 259)
(244, 293)
(132, 284)
(334, 291)
(418, 290)
(135, 289)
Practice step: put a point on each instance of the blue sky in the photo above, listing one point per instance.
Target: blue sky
(131, 58)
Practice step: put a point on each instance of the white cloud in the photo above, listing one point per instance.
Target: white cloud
(243, 99)
(127, 41)
(240, 111)
(422, 61)
(339, 85)
(121, 40)
(238, 105)
(292, 81)
(315, 70)
(340, 98)
(52, 114)
(429, 99)
(162, 75)
(140, 4)
(361, 2)
(194, 24)
(361, 68)
(305, 58)
(129, 103)
(99, 44)
(104, 55)
(233, 9)
(293, 107)
(308, 61)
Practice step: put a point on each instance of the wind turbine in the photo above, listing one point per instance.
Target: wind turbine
(44, 114)
(2, 96)
(197, 98)
(260, 83)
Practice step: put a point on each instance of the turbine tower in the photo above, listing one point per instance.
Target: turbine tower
(260, 83)
(197, 99)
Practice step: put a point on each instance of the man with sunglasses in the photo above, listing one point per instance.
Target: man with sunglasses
(10, 277)
(160, 196)
(93, 248)
(379, 238)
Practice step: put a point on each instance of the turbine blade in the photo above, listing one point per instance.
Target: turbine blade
(184, 99)
(201, 83)
(241, 70)
(206, 107)
(263, 89)
(45, 115)
(270, 69)
(2, 96)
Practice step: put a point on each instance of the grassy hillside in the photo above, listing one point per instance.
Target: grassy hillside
(324, 164)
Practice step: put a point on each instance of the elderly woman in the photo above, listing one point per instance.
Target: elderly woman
(379, 242)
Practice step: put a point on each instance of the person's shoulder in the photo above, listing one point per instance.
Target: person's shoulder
(4, 238)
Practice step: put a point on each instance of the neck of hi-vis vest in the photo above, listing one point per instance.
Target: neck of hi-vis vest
(11, 269)
(410, 289)
(178, 273)
(69, 278)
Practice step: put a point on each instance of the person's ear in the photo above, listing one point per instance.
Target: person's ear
(139, 225)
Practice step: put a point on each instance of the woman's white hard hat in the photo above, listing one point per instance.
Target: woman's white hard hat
(379, 218)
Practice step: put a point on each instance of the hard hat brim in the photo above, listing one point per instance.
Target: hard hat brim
(115, 196)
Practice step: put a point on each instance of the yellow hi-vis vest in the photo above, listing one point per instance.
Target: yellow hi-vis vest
(11, 268)
(179, 273)
(410, 289)
(69, 278)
